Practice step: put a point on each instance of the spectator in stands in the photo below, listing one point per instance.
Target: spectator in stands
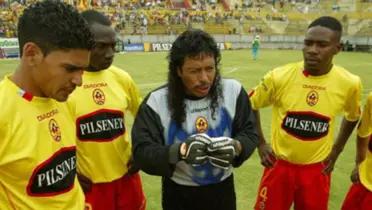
(306, 98)
(359, 196)
(109, 179)
(38, 155)
(195, 129)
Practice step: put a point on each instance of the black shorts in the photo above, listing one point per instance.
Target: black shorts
(220, 196)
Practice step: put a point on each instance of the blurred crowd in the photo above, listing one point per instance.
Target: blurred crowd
(136, 16)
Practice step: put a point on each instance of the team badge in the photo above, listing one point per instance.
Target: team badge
(312, 98)
(201, 125)
(98, 96)
(54, 129)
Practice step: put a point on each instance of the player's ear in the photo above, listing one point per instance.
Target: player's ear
(179, 72)
(32, 53)
(337, 48)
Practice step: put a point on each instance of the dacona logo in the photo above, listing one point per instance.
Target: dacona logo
(54, 130)
(98, 96)
(201, 124)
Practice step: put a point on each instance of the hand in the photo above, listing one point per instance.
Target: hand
(194, 149)
(355, 175)
(330, 162)
(222, 151)
(85, 183)
(267, 155)
(132, 167)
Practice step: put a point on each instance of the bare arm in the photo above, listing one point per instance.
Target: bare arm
(361, 151)
(264, 150)
(346, 129)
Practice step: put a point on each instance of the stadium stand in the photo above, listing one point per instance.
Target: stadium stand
(241, 17)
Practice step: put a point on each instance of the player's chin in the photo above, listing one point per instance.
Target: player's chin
(62, 96)
(105, 65)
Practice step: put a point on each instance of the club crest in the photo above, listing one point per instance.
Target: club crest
(54, 130)
(312, 98)
(201, 125)
(98, 96)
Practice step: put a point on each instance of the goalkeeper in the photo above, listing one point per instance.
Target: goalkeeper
(195, 129)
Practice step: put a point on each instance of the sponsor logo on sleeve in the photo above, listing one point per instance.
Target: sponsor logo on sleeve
(55, 175)
(103, 125)
(307, 126)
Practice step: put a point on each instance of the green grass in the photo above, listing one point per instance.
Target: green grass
(149, 70)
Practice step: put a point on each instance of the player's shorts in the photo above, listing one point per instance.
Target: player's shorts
(122, 194)
(220, 196)
(285, 184)
(358, 198)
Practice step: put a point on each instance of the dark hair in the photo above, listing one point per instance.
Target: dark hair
(53, 25)
(327, 22)
(190, 43)
(93, 16)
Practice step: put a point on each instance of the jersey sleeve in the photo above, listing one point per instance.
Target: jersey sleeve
(71, 106)
(352, 106)
(134, 96)
(365, 124)
(149, 151)
(3, 143)
(263, 94)
(244, 128)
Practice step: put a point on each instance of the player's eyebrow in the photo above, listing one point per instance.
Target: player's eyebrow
(73, 67)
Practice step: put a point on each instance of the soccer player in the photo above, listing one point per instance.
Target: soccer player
(37, 147)
(255, 46)
(101, 106)
(195, 129)
(360, 193)
(306, 97)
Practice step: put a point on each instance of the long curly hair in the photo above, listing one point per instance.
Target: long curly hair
(191, 43)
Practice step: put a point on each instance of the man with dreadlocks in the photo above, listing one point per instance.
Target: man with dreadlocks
(195, 129)
(306, 98)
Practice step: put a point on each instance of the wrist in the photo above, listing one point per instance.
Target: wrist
(174, 153)
(238, 148)
(337, 150)
(182, 151)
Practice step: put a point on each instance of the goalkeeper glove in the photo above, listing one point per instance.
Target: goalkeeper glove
(194, 149)
(222, 151)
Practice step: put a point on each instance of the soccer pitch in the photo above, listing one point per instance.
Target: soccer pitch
(149, 70)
